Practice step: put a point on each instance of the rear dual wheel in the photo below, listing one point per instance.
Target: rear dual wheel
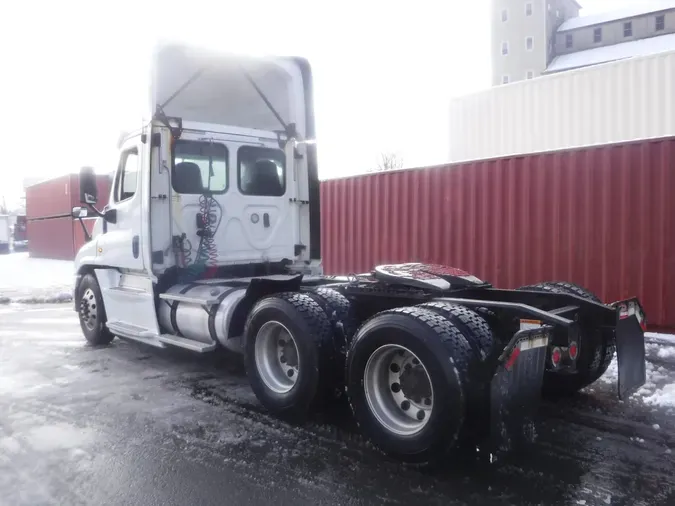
(407, 372)
(288, 354)
(407, 383)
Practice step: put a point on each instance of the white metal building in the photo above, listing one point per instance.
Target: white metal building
(614, 102)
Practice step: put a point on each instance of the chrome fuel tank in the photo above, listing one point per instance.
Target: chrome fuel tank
(201, 312)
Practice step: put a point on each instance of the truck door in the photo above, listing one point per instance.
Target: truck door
(265, 184)
(121, 244)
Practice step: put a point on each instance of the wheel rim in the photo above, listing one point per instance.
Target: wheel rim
(89, 309)
(398, 390)
(276, 357)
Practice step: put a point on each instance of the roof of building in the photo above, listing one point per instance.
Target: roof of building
(614, 52)
(639, 9)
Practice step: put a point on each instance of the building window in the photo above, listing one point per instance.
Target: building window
(528, 9)
(529, 74)
(529, 43)
(569, 41)
(505, 15)
(505, 48)
(557, 13)
(505, 79)
(628, 29)
(597, 35)
(660, 23)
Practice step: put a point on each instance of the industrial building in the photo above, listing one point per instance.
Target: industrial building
(536, 37)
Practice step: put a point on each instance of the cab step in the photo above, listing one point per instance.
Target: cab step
(189, 300)
(142, 335)
(188, 344)
(135, 333)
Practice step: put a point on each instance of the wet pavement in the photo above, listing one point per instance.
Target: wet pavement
(128, 424)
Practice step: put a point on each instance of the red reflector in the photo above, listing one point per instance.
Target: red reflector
(573, 350)
(512, 359)
(556, 356)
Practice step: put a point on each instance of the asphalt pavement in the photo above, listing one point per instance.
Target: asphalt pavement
(131, 425)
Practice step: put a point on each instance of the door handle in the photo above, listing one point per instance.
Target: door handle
(266, 220)
(134, 246)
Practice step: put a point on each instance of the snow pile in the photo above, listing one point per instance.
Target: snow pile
(659, 389)
(34, 280)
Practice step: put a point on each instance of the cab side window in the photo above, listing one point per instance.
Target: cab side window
(127, 175)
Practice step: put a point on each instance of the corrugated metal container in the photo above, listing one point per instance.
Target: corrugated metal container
(603, 217)
(57, 238)
(616, 102)
(57, 197)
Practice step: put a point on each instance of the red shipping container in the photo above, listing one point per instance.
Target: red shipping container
(602, 217)
(57, 197)
(56, 238)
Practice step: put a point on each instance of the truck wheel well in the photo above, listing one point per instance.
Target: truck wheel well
(240, 315)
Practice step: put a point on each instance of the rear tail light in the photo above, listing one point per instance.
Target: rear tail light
(573, 350)
(556, 356)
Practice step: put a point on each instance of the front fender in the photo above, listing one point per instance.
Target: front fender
(85, 257)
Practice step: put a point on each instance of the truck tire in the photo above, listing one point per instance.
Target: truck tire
(288, 354)
(471, 325)
(91, 312)
(595, 350)
(339, 311)
(407, 383)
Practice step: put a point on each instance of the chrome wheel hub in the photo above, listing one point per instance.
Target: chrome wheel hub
(398, 390)
(276, 357)
(88, 310)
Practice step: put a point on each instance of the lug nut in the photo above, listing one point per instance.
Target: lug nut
(282, 359)
(420, 415)
(395, 387)
(405, 405)
(290, 373)
(427, 401)
(394, 368)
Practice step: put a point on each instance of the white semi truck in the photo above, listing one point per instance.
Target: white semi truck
(211, 239)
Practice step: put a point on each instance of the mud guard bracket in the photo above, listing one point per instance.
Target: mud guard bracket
(515, 389)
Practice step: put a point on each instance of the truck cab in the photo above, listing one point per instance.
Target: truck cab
(219, 181)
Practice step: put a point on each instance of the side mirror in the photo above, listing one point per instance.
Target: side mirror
(88, 188)
(80, 212)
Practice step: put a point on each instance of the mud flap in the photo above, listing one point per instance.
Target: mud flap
(515, 389)
(630, 352)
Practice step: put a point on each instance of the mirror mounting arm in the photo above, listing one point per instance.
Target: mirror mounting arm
(87, 235)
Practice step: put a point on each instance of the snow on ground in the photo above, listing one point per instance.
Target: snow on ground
(659, 389)
(33, 280)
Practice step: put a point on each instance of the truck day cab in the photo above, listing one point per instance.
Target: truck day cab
(211, 239)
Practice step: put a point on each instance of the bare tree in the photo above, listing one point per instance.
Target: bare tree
(389, 161)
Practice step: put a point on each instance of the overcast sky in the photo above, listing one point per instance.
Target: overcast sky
(384, 72)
